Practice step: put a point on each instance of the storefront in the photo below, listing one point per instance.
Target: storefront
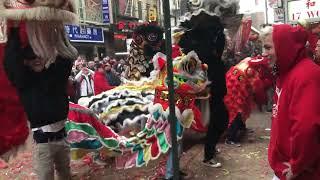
(89, 41)
(122, 35)
(302, 9)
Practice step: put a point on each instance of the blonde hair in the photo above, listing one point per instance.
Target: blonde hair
(265, 32)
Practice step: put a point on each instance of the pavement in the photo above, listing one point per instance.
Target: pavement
(248, 162)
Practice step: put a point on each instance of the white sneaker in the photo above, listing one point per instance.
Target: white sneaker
(217, 151)
(212, 163)
(232, 143)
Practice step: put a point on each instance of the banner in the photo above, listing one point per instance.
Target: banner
(93, 9)
(84, 34)
(242, 35)
(278, 15)
(105, 12)
(304, 9)
(122, 7)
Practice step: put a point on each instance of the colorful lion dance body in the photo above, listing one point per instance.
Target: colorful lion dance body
(137, 148)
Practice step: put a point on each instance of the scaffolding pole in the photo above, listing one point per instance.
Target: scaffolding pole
(172, 116)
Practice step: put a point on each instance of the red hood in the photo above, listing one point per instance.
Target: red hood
(289, 43)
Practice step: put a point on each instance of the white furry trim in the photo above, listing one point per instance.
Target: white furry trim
(129, 122)
(38, 14)
(188, 16)
(111, 94)
(155, 60)
(112, 117)
(185, 118)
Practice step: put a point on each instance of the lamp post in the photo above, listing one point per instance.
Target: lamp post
(266, 9)
(172, 116)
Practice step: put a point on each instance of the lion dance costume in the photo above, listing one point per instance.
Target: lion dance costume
(41, 25)
(247, 83)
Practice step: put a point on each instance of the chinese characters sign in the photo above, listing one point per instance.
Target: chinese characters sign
(84, 34)
(105, 11)
(303, 9)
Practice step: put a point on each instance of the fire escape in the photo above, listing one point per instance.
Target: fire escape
(129, 8)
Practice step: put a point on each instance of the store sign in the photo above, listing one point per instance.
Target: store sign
(120, 36)
(152, 14)
(127, 26)
(105, 12)
(275, 3)
(303, 9)
(84, 34)
(278, 15)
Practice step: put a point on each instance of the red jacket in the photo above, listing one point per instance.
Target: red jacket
(100, 83)
(295, 133)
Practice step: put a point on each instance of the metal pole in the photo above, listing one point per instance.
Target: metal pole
(266, 7)
(172, 116)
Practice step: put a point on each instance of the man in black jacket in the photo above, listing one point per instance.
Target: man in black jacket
(43, 93)
(208, 41)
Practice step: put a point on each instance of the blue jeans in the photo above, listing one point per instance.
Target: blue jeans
(169, 165)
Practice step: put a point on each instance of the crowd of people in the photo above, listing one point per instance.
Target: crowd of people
(92, 77)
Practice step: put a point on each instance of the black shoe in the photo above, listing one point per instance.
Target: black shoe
(181, 177)
(183, 174)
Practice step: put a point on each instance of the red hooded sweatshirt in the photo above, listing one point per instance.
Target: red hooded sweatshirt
(100, 83)
(295, 133)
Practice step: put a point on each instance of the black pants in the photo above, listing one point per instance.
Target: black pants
(217, 125)
(233, 133)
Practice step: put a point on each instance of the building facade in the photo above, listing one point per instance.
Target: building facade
(113, 22)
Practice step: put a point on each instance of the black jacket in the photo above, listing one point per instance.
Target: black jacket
(113, 79)
(216, 75)
(43, 94)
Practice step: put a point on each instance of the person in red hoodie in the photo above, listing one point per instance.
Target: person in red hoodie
(294, 149)
(100, 82)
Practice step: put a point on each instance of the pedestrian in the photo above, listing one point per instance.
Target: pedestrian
(100, 81)
(85, 82)
(43, 93)
(91, 65)
(209, 42)
(111, 76)
(218, 112)
(120, 66)
(294, 149)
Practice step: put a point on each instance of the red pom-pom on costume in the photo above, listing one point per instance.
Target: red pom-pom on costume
(247, 83)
